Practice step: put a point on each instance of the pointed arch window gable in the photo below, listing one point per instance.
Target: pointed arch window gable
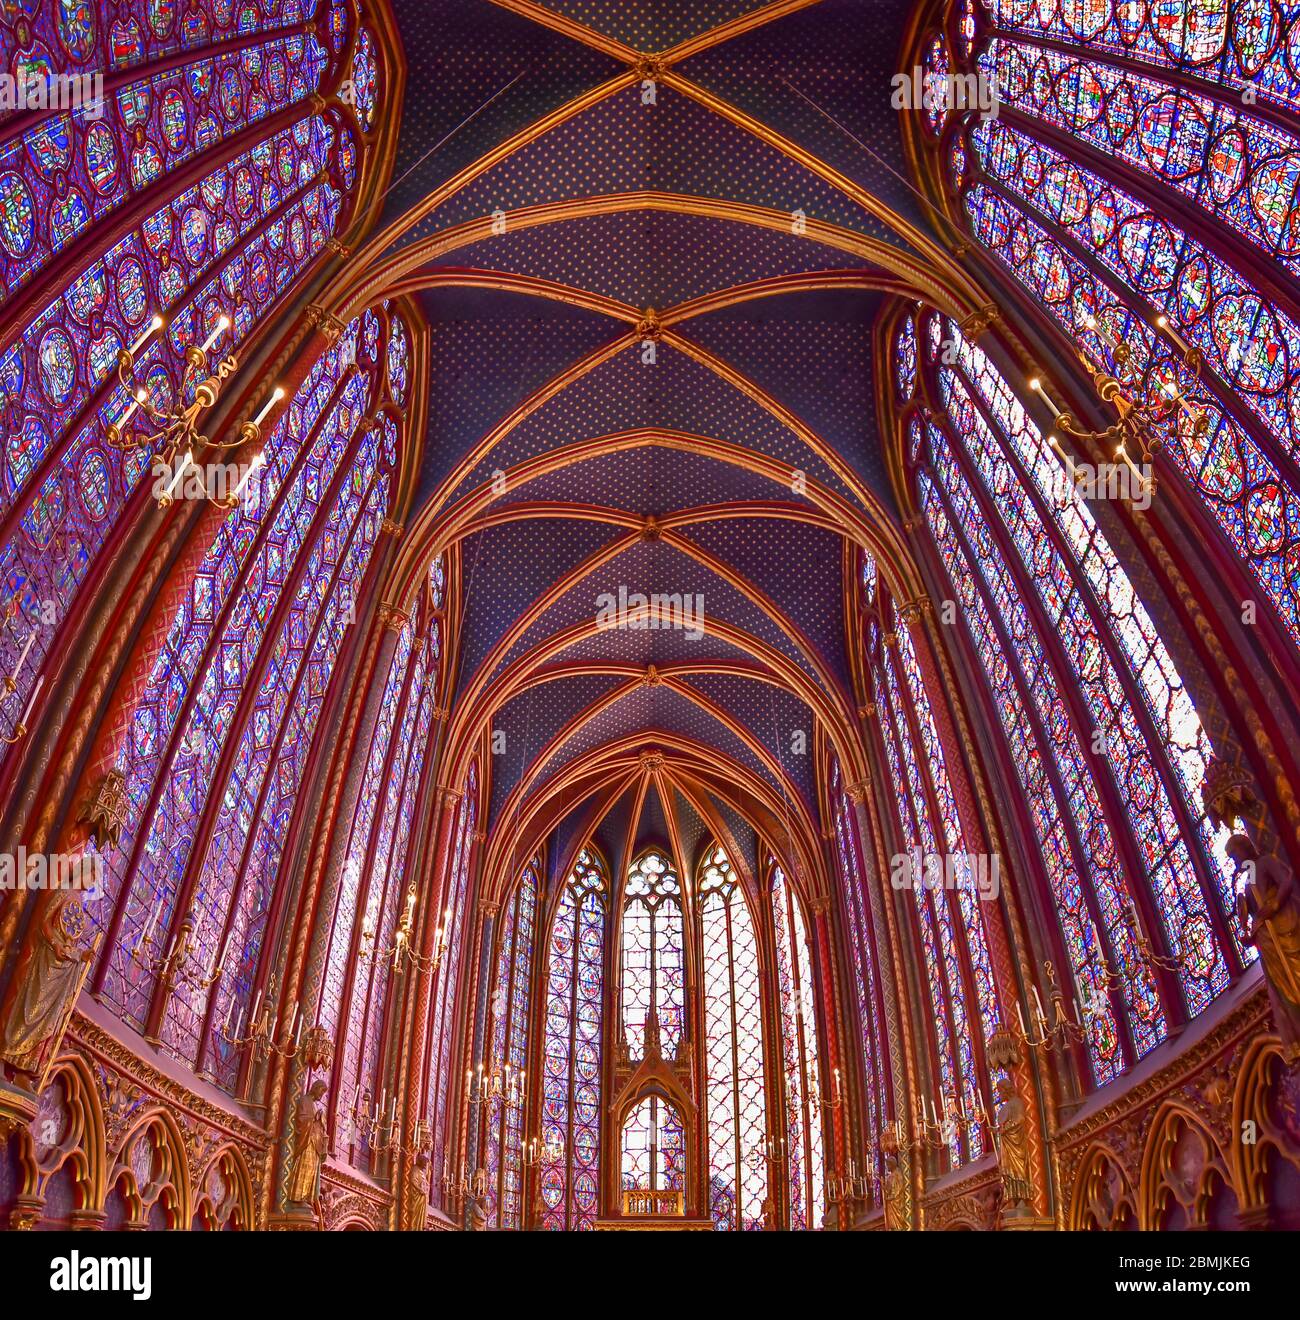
(796, 991)
(228, 180)
(653, 967)
(220, 738)
(571, 1060)
(735, 1095)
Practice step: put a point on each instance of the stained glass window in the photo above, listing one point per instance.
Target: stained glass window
(374, 889)
(571, 1091)
(508, 1053)
(653, 1146)
(221, 181)
(220, 737)
(1103, 733)
(442, 1076)
(652, 984)
(736, 1107)
(855, 903)
(804, 1160)
(1120, 186)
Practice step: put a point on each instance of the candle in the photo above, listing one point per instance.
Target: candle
(31, 700)
(1037, 384)
(180, 472)
(259, 461)
(1020, 1018)
(1162, 323)
(151, 329)
(276, 395)
(1038, 1003)
(221, 326)
(22, 659)
(257, 1003)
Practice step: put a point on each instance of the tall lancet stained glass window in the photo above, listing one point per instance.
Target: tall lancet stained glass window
(508, 1052)
(1102, 730)
(652, 956)
(458, 867)
(571, 1059)
(374, 894)
(732, 1020)
(856, 873)
(205, 183)
(223, 728)
(803, 1150)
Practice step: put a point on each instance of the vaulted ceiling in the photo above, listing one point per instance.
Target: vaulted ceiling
(721, 180)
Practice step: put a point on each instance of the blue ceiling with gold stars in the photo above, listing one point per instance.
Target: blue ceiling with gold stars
(649, 332)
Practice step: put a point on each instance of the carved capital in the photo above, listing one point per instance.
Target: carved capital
(978, 322)
(390, 528)
(327, 323)
(393, 617)
(915, 608)
(857, 791)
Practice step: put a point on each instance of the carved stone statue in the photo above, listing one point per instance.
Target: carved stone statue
(1012, 1129)
(1269, 909)
(46, 982)
(417, 1194)
(309, 1144)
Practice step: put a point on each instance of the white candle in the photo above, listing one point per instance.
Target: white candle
(180, 472)
(140, 397)
(1162, 323)
(22, 659)
(257, 1003)
(31, 700)
(276, 395)
(1038, 1003)
(258, 461)
(151, 329)
(222, 324)
(1037, 385)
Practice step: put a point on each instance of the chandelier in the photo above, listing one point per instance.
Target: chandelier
(173, 432)
(1148, 400)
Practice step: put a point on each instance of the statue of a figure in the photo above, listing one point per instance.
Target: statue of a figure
(895, 1190)
(417, 1194)
(1012, 1129)
(309, 1145)
(478, 1211)
(769, 1215)
(47, 981)
(1269, 909)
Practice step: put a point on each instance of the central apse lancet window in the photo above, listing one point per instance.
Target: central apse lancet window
(653, 969)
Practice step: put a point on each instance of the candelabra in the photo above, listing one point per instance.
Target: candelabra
(180, 962)
(850, 1185)
(174, 431)
(503, 1082)
(1146, 399)
(260, 1038)
(773, 1151)
(536, 1153)
(836, 1100)
(10, 681)
(402, 948)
